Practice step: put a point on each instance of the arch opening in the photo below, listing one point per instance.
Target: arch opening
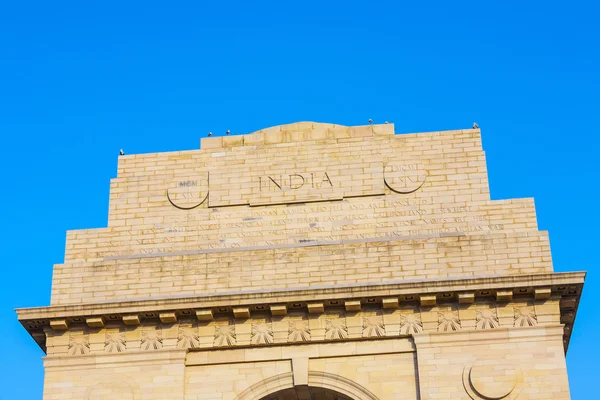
(306, 393)
(321, 386)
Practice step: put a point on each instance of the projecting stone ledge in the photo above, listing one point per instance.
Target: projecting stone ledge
(562, 290)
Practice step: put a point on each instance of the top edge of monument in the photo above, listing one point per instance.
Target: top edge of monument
(300, 126)
(303, 132)
(297, 132)
(306, 131)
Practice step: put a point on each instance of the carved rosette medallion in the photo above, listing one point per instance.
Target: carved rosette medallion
(486, 319)
(152, 339)
(188, 192)
(373, 326)
(298, 331)
(115, 342)
(410, 324)
(492, 382)
(336, 329)
(225, 335)
(79, 344)
(448, 321)
(404, 176)
(188, 337)
(262, 332)
(525, 316)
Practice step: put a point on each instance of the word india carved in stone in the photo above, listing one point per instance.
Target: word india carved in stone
(294, 181)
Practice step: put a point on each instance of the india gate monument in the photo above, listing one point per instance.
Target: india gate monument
(309, 261)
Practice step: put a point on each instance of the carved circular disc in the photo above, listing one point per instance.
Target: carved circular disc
(188, 192)
(493, 381)
(404, 176)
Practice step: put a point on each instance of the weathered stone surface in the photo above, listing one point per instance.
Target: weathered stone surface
(309, 261)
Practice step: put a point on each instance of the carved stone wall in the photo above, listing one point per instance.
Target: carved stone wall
(501, 363)
(309, 261)
(244, 211)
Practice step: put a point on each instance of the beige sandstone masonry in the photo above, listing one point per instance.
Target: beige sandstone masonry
(242, 206)
(309, 261)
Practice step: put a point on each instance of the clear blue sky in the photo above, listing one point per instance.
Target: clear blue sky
(79, 80)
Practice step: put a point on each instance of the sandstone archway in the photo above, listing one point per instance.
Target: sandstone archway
(306, 393)
(321, 386)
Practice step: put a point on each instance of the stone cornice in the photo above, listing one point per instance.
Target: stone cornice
(242, 304)
(401, 287)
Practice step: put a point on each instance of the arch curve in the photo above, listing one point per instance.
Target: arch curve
(111, 387)
(322, 380)
(300, 126)
(340, 384)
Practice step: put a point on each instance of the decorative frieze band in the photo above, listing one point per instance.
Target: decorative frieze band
(282, 309)
(449, 305)
(296, 326)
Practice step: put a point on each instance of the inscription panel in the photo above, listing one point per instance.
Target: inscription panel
(151, 188)
(389, 217)
(289, 182)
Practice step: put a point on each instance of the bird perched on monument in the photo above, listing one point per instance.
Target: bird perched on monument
(370, 121)
(209, 134)
(121, 152)
(475, 126)
(227, 132)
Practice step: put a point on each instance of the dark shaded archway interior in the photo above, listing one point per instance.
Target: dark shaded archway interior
(306, 393)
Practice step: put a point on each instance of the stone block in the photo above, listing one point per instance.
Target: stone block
(352, 305)
(315, 308)
(427, 300)
(95, 322)
(466, 298)
(131, 319)
(543, 293)
(504, 295)
(168, 317)
(390, 302)
(241, 312)
(280, 309)
(59, 324)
